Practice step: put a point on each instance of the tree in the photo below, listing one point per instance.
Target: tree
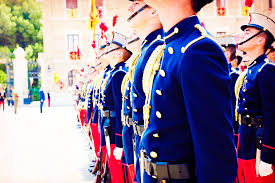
(20, 25)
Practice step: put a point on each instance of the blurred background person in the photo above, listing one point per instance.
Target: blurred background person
(2, 98)
(49, 99)
(15, 99)
(41, 99)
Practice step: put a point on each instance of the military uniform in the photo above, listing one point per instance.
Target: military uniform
(138, 96)
(255, 92)
(111, 118)
(127, 130)
(229, 42)
(188, 110)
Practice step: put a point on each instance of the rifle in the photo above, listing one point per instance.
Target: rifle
(106, 174)
(99, 168)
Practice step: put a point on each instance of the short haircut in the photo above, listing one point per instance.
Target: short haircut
(232, 51)
(199, 4)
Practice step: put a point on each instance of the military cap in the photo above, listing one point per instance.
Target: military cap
(226, 41)
(261, 22)
(120, 40)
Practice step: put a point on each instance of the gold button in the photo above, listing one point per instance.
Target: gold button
(246, 81)
(135, 95)
(176, 30)
(250, 71)
(162, 73)
(128, 88)
(245, 109)
(244, 90)
(170, 50)
(159, 92)
(158, 114)
(156, 135)
(153, 154)
(266, 60)
(135, 110)
(247, 116)
(126, 98)
(128, 107)
(243, 99)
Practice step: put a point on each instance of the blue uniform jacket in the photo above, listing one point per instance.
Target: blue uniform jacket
(90, 106)
(257, 98)
(138, 95)
(191, 107)
(112, 100)
(127, 131)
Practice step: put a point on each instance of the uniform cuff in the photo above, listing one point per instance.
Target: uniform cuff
(118, 138)
(268, 154)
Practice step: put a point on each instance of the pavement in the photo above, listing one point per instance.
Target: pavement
(43, 148)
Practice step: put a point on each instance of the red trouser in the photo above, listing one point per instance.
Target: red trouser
(96, 137)
(247, 173)
(49, 102)
(115, 167)
(3, 103)
(129, 172)
(83, 116)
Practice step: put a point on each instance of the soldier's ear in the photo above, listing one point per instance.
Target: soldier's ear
(154, 12)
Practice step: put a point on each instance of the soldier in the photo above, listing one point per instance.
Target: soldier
(145, 21)
(234, 59)
(255, 96)
(96, 127)
(41, 99)
(185, 139)
(111, 106)
(271, 53)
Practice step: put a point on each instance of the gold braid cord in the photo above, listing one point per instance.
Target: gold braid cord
(153, 66)
(123, 90)
(150, 70)
(133, 63)
(238, 87)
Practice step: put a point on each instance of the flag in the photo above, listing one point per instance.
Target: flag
(93, 18)
(221, 7)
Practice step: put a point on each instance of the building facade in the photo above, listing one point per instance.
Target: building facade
(67, 38)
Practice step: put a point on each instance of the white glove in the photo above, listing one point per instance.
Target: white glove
(118, 153)
(265, 169)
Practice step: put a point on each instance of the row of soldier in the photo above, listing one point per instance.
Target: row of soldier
(165, 112)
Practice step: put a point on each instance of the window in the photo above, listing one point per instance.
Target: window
(221, 11)
(71, 4)
(71, 77)
(270, 4)
(73, 42)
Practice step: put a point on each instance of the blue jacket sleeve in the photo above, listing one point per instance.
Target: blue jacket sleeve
(267, 93)
(117, 96)
(90, 107)
(205, 84)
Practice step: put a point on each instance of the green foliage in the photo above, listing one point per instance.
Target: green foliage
(3, 78)
(20, 24)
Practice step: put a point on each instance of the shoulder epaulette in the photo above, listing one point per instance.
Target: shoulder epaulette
(267, 62)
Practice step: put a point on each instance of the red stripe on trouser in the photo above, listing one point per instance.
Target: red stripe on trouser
(115, 167)
(96, 137)
(247, 173)
(131, 173)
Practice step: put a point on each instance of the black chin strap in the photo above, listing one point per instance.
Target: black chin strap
(251, 37)
(136, 13)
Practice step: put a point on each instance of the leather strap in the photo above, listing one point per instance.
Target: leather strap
(138, 129)
(166, 171)
(108, 114)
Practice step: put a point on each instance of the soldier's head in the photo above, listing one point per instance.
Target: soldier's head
(141, 16)
(196, 5)
(271, 53)
(117, 52)
(257, 35)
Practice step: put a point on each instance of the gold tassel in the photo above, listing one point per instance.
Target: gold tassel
(238, 87)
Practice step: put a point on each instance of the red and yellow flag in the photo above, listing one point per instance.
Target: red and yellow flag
(93, 18)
